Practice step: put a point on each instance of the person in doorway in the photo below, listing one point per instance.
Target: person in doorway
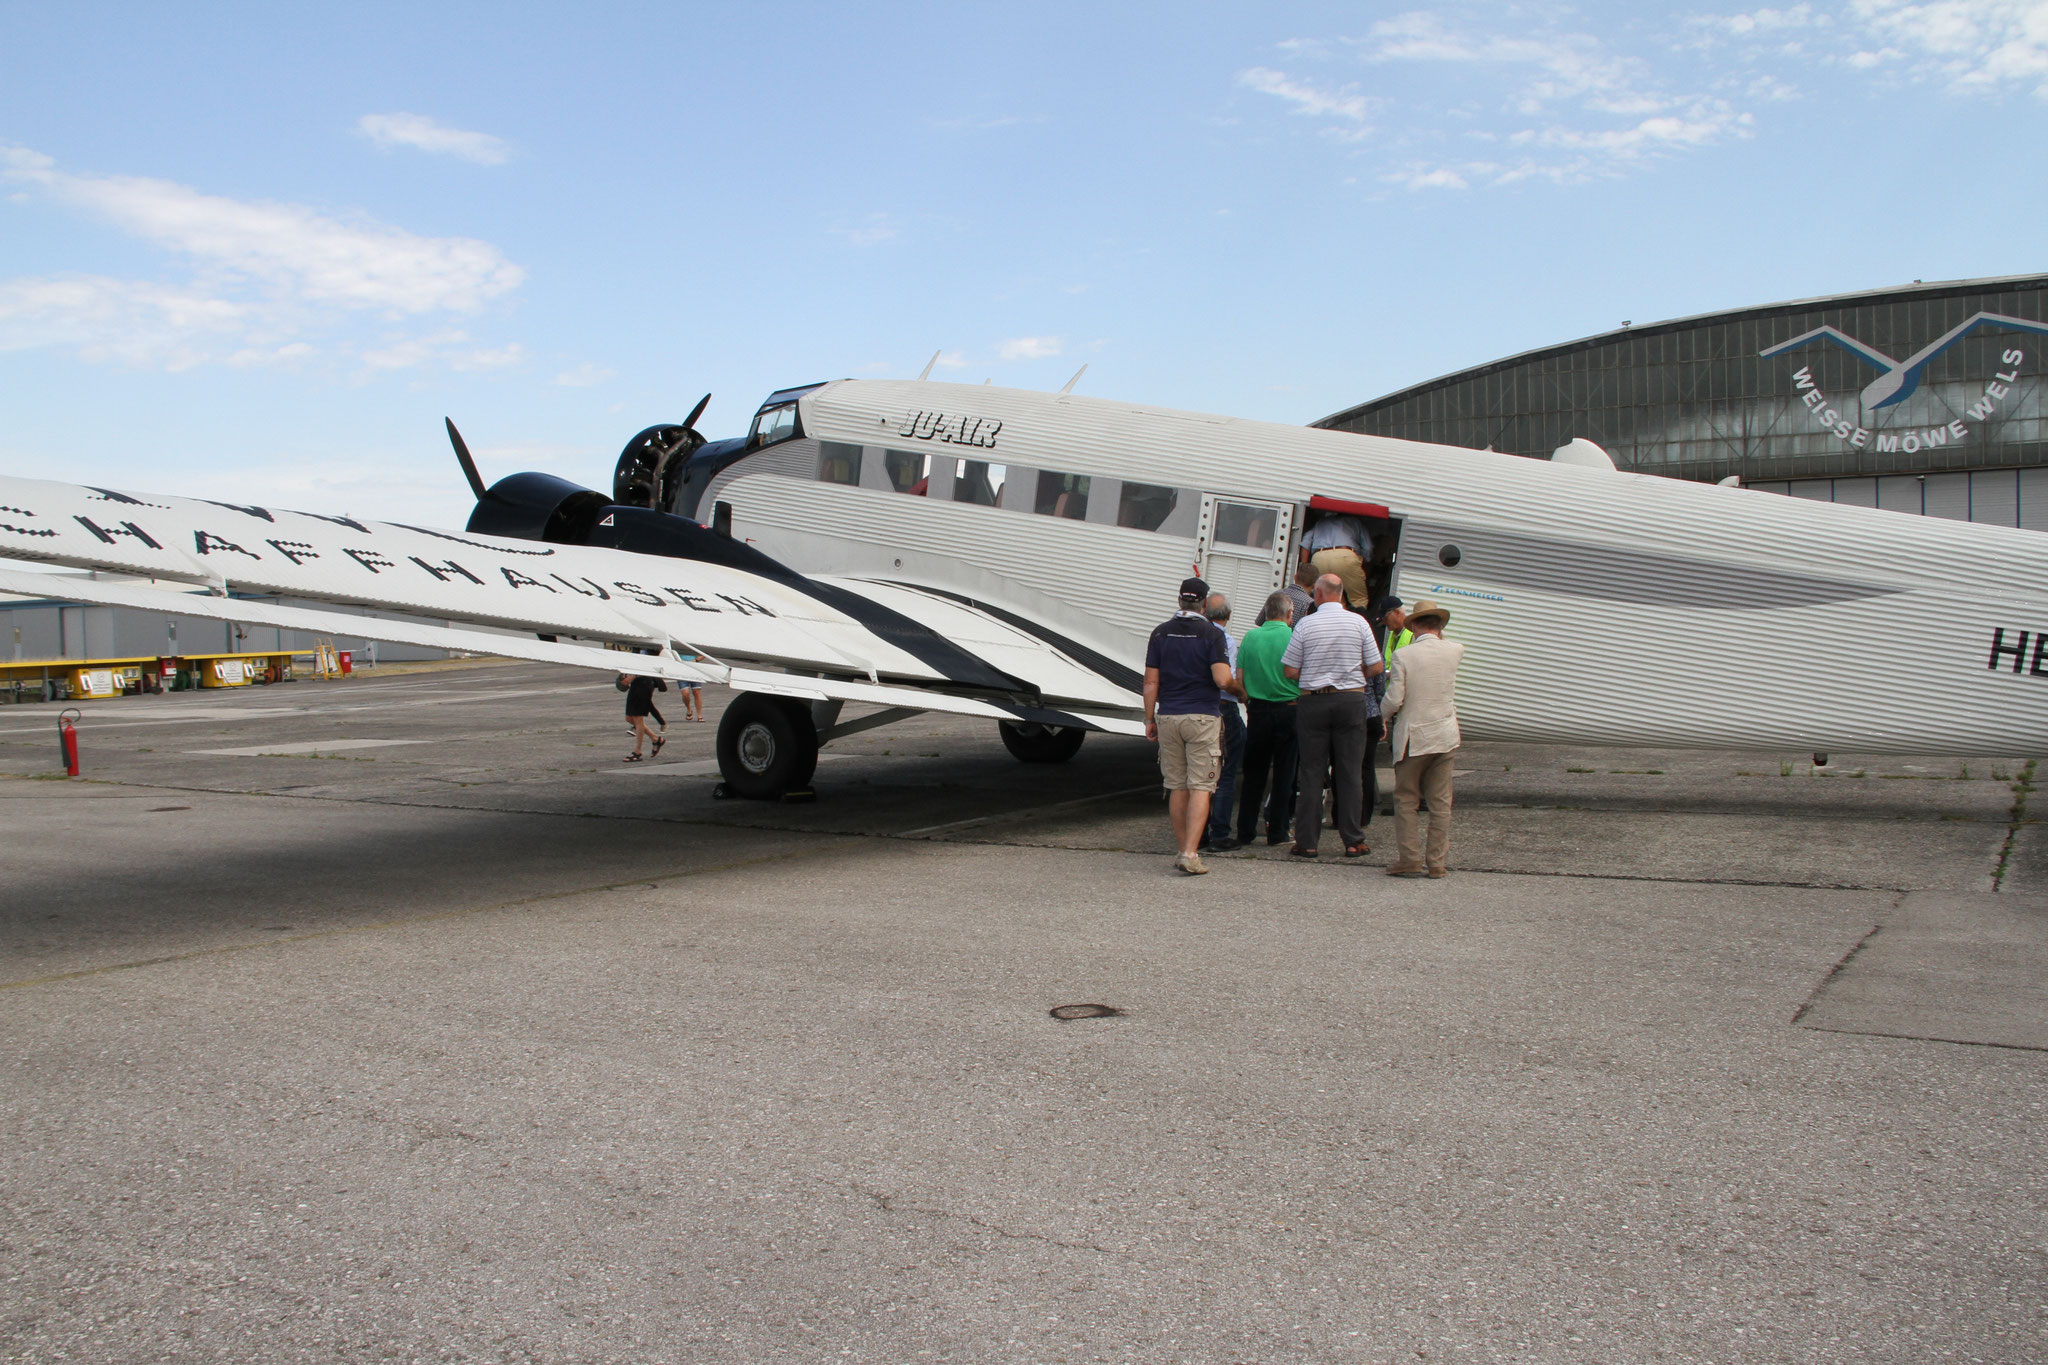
(640, 691)
(1217, 837)
(1332, 657)
(1339, 544)
(1422, 700)
(1187, 668)
(1270, 697)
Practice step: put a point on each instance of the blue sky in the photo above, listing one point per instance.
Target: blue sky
(260, 250)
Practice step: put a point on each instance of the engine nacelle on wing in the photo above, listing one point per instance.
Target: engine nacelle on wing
(543, 507)
(539, 507)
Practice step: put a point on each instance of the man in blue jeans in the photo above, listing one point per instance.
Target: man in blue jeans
(1217, 838)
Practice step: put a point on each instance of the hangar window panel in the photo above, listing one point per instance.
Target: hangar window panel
(1062, 495)
(2033, 499)
(1995, 496)
(1948, 495)
(908, 471)
(1145, 506)
(838, 462)
(978, 482)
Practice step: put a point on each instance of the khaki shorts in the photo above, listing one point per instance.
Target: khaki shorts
(1190, 752)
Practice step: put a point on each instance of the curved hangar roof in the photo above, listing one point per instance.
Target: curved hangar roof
(1909, 379)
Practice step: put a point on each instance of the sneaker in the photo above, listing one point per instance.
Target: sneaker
(1190, 863)
(1223, 845)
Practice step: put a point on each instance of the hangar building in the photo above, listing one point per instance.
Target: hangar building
(1932, 398)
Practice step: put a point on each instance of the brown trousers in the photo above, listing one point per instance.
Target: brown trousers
(1419, 778)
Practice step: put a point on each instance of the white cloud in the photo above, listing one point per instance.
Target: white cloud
(263, 272)
(1574, 106)
(1307, 97)
(1981, 44)
(876, 227)
(453, 349)
(1764, 22)
(951, 360)
(584, 376)
(1973, 45)
(1431, 177)
(129, 321)
(422, 133)
(1031, 348)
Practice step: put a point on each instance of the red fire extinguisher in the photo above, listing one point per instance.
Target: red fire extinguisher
(67, 740)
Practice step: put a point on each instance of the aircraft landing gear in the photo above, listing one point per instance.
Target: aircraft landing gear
(767, 746)
(1034, 743)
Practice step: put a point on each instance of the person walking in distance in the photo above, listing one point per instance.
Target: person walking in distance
(640, 690)
(1270, 697)
(1422, 701)
(1331, 656)
(692, 692)
(1217, 838)
(1187, 669)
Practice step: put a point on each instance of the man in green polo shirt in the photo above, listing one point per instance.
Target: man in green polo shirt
(1269, 722)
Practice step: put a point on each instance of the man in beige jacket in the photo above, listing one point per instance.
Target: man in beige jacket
(1422, 706)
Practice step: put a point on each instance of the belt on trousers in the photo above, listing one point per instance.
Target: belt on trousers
(1327, 691)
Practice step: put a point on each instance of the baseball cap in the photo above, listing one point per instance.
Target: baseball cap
(1193, 587)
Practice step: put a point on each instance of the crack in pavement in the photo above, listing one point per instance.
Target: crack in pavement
(888, 1205)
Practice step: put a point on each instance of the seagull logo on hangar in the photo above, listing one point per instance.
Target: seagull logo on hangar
(1901, 377)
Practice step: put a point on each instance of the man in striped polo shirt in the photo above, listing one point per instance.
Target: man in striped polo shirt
(1331, 657)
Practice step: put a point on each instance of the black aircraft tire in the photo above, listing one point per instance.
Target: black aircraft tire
(1033, 743)
(767, 746)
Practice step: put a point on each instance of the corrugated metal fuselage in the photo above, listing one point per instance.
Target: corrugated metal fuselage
(1597, 607)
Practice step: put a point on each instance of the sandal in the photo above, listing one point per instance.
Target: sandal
(659, 740)
(632, 758)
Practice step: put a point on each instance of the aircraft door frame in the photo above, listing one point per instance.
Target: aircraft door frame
(1230, 560)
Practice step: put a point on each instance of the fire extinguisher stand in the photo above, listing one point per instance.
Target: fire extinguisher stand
(67, 739)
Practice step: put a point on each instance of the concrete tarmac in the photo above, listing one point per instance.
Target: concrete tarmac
(397, 1019)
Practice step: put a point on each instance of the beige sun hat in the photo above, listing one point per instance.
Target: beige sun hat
(1428, 606)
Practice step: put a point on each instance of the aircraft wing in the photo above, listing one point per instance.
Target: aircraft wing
(779, 633)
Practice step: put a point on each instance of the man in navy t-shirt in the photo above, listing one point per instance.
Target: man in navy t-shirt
(1187, 670)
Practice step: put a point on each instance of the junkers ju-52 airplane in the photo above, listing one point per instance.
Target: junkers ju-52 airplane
(998, 553)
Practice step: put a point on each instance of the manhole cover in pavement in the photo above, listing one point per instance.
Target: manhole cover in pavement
(1066, 1012)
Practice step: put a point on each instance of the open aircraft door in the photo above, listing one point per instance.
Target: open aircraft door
(1242, 551)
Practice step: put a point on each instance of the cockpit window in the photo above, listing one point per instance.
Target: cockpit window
(772, 424)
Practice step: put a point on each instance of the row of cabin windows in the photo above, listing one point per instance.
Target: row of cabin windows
(1140, 506)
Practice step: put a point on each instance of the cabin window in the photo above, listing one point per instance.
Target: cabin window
(1145, 506)
(908, 472)
(978, 481)
(1062, 495)
(838, 462)
(774, 424)
(1239, 524)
